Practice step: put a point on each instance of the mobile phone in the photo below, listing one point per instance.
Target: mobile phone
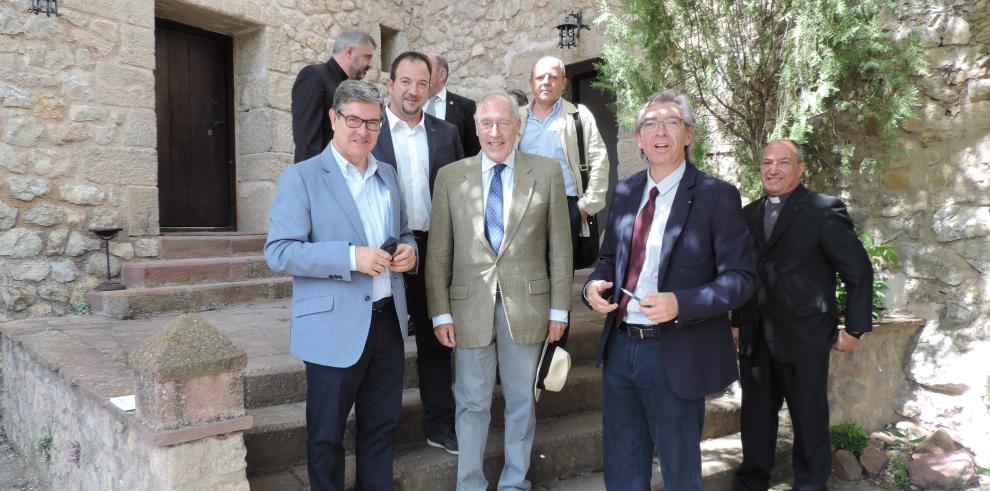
(390, 245)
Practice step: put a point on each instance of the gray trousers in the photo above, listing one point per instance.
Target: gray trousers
(473, 386)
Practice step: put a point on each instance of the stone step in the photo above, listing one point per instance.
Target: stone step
(567, 455)
(282, 379)
(213, 245)
(171, 272)
(144, 302)
(282, 428)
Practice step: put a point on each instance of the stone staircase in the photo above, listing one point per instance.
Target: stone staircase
(567, 453)
(194, 273)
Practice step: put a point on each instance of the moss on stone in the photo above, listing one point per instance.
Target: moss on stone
(186, 348)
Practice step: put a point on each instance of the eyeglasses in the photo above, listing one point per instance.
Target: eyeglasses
(487, 125)
(667, 124)
(356, 122)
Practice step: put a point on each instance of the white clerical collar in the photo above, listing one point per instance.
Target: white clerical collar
(774, 199)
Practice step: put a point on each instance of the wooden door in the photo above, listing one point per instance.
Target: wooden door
(194, 103)
(581, 91)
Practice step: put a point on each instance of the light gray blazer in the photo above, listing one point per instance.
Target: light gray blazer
(314, 223)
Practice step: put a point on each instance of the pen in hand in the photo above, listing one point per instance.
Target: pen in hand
(634, 297)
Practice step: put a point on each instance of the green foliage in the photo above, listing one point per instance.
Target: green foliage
(81, 307)
(821, 72)
(898, 473)
(45, 445)
(850, 436)
(882, 257)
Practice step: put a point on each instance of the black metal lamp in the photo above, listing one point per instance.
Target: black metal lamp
(47, 7)
(570, 30)
(106, 234)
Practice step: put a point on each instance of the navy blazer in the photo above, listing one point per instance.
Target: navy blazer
(442, 140)
(706, 262)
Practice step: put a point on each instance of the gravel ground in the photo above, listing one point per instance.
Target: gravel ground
(15, 471)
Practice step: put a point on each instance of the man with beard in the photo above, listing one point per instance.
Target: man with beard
(312, 94)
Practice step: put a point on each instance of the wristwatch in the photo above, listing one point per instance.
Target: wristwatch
(855, 334)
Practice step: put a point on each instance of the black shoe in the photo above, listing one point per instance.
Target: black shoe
(445, 439)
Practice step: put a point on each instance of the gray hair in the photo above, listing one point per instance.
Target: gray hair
(352, 38)
(667, 95)
(356, 91)
(441, 62)
(557, 61)
(798, 151)
(510, 102)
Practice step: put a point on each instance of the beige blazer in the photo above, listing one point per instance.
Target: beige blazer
(591, 200)
(532, 269)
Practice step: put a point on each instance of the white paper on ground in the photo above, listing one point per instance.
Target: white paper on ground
(124, 403)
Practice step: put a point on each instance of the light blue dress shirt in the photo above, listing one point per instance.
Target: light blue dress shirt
(541, 139)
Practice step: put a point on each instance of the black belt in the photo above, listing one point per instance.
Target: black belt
(639, 331)
(381, 304)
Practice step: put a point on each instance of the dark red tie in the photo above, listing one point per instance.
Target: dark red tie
(637, 252)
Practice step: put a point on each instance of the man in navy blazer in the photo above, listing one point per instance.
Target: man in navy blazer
(417, 145)
(677, 243)
(330, 216)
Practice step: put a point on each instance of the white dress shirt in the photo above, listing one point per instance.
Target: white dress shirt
(439, 103)
(507, 181)
(412, 160)
(649, 275)
(374, 207)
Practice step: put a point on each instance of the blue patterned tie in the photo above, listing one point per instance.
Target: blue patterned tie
(494, 226)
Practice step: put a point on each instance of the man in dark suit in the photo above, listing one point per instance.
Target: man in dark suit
(787, 330)
(451, 107)
(678, 245)
(418, 145)
(312, 93)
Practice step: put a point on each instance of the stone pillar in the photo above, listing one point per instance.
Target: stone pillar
(190, 406)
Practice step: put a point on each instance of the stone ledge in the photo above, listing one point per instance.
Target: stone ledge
(189, 434)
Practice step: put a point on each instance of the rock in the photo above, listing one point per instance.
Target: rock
(49, 106)
(30, 271)
(18, 297)
(54, 293)
(123, 250)
(21, 131)
(20, 243)
(873, 460)
(26, 189)
(939, 442)
(80, 244)
(960, 222)
(146, 247)
(911, 429)
(88, 113)
(846, 466)
(64, 271)
(50, 164)
(8, 216)
(979, 90)
(9, 160)
(73, 132)
(56, 242)
(96, 265)
(956, 32)
(942, 471)
(45, 215)
(81, 194)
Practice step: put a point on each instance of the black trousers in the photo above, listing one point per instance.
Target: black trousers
(432, 358)
(766, 383)
(374, 385)
(575, 216)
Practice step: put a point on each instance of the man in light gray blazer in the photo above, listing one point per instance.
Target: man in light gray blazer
(498, 283)
(331, 220)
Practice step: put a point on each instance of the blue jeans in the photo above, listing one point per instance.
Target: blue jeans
(641, 414)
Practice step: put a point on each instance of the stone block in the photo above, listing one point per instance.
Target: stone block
(8, 216)
(955, 222)
(22, 131)
(43, 27)
(956, 32)
(79, 244)
(280, 90)
(123, 250)
(88, 113)
(188, 373)
(979, 90)
(846, 466)
(82, 194)
(27, 189)
(14, 96)
(45, 215)
(255, 131)
(55, 246)
(123, 85)
(105, 29)
(9, 160)
(951, 470)
(20, 243)
(873, 460)
(146, 247)
(121, 166)
(253, 201)
(140, 129)
(50, 163)
(53, 293)
(262, 166)
(282, 141)
(30, 271)
(17, 296)
(49, 106)
(73, 132)
(64, 270)
(77, 86)
(137, 46)
(142, 211)
(938, 442)
(96, 265)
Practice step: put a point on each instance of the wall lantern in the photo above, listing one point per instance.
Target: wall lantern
(47, 7)
(570, 30)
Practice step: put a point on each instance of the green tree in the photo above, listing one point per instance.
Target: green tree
(821, 72)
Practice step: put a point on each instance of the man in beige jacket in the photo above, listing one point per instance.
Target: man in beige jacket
(498, 281)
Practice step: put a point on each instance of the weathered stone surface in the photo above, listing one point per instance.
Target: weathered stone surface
(64, 270)
(45, 215)
(73, 132)
(929, 262)
(8, 216)
(30, 271)
(873, 460)
(50, 163)
(20, 243)
(22, 131)
(137, 45)
(18, 297)
(942, 471)
(123, 250)
(846, 466)
(961, 222)
(123, 85)
(14, 96)
(146, 247)
(140, 129)
(88, 113)
(55, 245)
(9, 160)
(49, 106)
(142, 211)
(96, 265)
(938, 442)
(956, 32)
(121, 166)
(27, 189)
(252, 208)
(79, 244)
(185, 348)
(979, 90)
(53, 293)
(82, 194)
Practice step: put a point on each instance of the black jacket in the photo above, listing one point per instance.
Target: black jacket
(312, 98)
(441, 138)
(460, 112)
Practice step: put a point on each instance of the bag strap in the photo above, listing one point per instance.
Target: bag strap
(583, 167)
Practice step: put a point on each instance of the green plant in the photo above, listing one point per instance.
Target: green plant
(824, 73)
(81, 308)
(850, 436)
(45, 445)
(898, 473)
(882, 257)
